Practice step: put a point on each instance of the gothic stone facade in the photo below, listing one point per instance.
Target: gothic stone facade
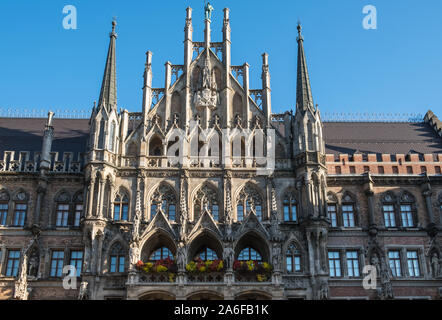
(101, 194)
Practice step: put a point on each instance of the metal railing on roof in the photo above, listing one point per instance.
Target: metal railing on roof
(43, 113)
(371, 117)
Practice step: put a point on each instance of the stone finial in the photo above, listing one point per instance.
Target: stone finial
(50, 119)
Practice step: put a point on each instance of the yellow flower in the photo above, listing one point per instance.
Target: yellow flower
(161, 269)
(220, 265)
(261, 277)
(191, 266)
(203, 269)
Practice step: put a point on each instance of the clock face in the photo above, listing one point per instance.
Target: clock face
(21, 196)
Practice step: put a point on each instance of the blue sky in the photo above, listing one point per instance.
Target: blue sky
(396, 68)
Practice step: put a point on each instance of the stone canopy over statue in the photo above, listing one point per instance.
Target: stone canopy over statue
(208, 9)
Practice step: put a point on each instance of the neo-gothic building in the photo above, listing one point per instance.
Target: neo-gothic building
(102, 194)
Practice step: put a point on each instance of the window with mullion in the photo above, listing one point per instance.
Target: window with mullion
(352, 263)
(394, 259)
(57, 263)
(413, 264)
(13, 263)
(240, 212)
(293, 259)
(207, 254)
(160, 254)
(77, 261)
(334, 261)
(3, 213)
(117, 263)
(78, 214)
(389, 215)
(348, 215)
(62, 215)
(20, 214)
(290, 209)
(121, 209)
(249, 254)
(407, 216)
(332, 214)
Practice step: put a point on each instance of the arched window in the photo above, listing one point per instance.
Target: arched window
(290, 206)
(164, 198)
(388, 210)
(293, 258)
(121, 207)
(20, 209)
(207, 254)
(155, 147)
(62, 213)
(160, 254)
(206, 199)
(112, 136)
(101, 140)
(176, 106)
(117, 259)
(4, 207)
(348, 211)
(249, 253)
(249, 200)
(407, 210)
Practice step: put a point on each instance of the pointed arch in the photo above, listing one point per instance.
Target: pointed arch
(290, 205)
(155, 146)
(253, 240)
(176, 106)
(205, 242)
(206, 197)
(249, 199)
(121, 201)
(155, 240)
(164, 197)
(238, 109)
(117, 257)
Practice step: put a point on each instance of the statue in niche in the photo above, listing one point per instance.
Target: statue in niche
(181, 257)
(84, 291)
(207, 96)
(228, 256)
(435, 266)
(34, 261)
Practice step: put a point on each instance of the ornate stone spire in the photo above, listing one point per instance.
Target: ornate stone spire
(304, 99)
(108, 94)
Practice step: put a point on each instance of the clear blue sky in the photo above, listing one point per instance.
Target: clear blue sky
(396, 68)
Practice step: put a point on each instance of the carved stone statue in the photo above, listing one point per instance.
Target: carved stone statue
(324, 291)
(228, 256)
(208, 10)
(208, 95)
(181, 257)
(276, 256)
(134, 254)
(33, 264)
(375, 262)
(21, 285)
(435, 266)
(84, 291)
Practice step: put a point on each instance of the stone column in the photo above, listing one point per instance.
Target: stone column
(100, 198)
(40, 194)
(90, 197)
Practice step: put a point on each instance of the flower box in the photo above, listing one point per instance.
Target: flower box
(262, 270)
(200, 266)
